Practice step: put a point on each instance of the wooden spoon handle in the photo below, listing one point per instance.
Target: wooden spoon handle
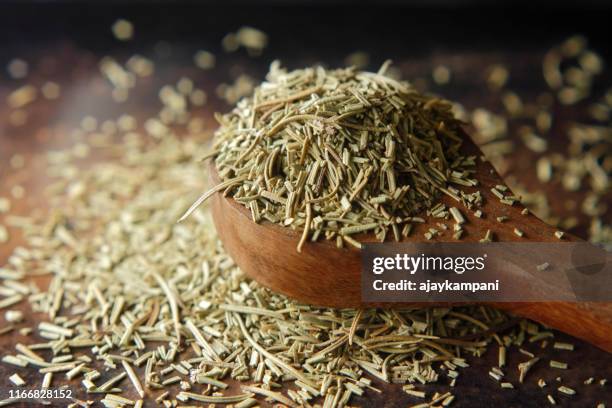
(590, 321)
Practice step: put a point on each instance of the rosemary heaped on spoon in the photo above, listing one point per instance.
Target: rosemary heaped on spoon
(340, 152)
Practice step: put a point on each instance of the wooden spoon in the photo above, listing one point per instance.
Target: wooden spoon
(324, 275)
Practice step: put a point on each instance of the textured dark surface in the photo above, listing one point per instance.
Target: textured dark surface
(63, 43)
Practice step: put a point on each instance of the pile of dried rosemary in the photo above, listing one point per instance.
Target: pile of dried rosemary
(340, 152)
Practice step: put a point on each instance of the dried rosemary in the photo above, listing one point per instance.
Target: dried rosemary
(335, 153)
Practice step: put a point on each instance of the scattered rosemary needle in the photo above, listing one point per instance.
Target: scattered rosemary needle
(123, 30)
(558, 364)
(488, 237)
(543, 266)
(17, 380)
(525, 367)
(275, 396)
(563, 346)
(459, 219)
(501, 357)
(133, 378)
(213, 399)
(173, 304)
(5, 205)
(354, 326)
(4, 234)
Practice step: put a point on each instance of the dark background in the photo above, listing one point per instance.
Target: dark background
(388, 28)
